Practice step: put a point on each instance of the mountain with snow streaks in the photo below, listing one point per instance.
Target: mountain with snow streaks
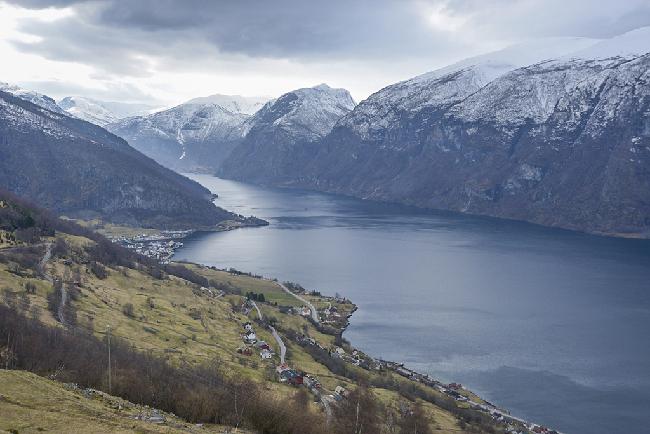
(285, 131)
(561, 141)
(34, 97)
(195, 136)
(77, 168)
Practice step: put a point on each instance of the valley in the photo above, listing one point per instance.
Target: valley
(449, 234)
(189, 315)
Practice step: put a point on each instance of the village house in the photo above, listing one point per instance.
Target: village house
(291, 376)
(341, 391)
(250, 337)
(266, 354)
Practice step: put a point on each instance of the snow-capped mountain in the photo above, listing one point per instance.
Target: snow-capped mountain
(234, 103)
(283, 132)
(186, 137)
(88, 110)
(101, 112)
(557, 133)
(34, 97)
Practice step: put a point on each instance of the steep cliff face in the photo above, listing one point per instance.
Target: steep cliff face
(284, 134)
(75, 167)
(561, 143)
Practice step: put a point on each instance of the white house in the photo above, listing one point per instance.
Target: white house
(250, 337)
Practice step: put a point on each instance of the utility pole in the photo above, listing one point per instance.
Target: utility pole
(108, 336)
(357, 430)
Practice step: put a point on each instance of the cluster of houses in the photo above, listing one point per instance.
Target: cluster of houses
(331, 315)
(453, 390)
(292, 310)
(298, 378)
(251, 344)
(158, 246)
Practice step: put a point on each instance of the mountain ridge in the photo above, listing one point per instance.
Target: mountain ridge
(77, 168)
(561, 142)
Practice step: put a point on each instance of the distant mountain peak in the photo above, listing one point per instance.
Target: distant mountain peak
(307, 113)
(37, 98)
(233, 103)
(101, 112)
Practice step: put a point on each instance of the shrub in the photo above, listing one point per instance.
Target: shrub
(128, 310)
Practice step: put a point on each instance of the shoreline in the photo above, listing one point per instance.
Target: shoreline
(161, 244)
(453, 390)
(173, 240)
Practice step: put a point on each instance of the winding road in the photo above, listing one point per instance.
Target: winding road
(278, 339)
(283, 348)
(314, 312)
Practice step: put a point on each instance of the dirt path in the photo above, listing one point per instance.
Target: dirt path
(42, 266)
(43, 263)
(259, 312)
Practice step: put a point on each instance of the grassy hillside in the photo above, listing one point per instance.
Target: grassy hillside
(192, 316)
(33, 404)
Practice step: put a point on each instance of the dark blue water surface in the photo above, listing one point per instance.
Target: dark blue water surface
(551, 324)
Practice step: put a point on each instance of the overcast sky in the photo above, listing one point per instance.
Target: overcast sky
(164, 52)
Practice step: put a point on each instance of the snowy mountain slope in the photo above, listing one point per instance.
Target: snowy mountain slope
(34, 97)
(77, 168)
(630, 44)
(186, 137)
(283, 132)
(233, 103)
(374, 116)
(562, 141)
(101, 112)
(88, 110)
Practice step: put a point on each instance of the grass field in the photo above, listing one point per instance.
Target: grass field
(33, 404)
(174, 319)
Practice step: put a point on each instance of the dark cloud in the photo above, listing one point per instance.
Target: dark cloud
(41, 4)
(129, 37)
(281, 29)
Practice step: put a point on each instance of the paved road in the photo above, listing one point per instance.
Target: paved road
(278, 339)
(314, 313)
(259, 312)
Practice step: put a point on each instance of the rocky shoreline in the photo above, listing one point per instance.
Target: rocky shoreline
(456, 391)
(163, 245)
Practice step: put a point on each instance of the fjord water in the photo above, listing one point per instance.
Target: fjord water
(550, 324)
